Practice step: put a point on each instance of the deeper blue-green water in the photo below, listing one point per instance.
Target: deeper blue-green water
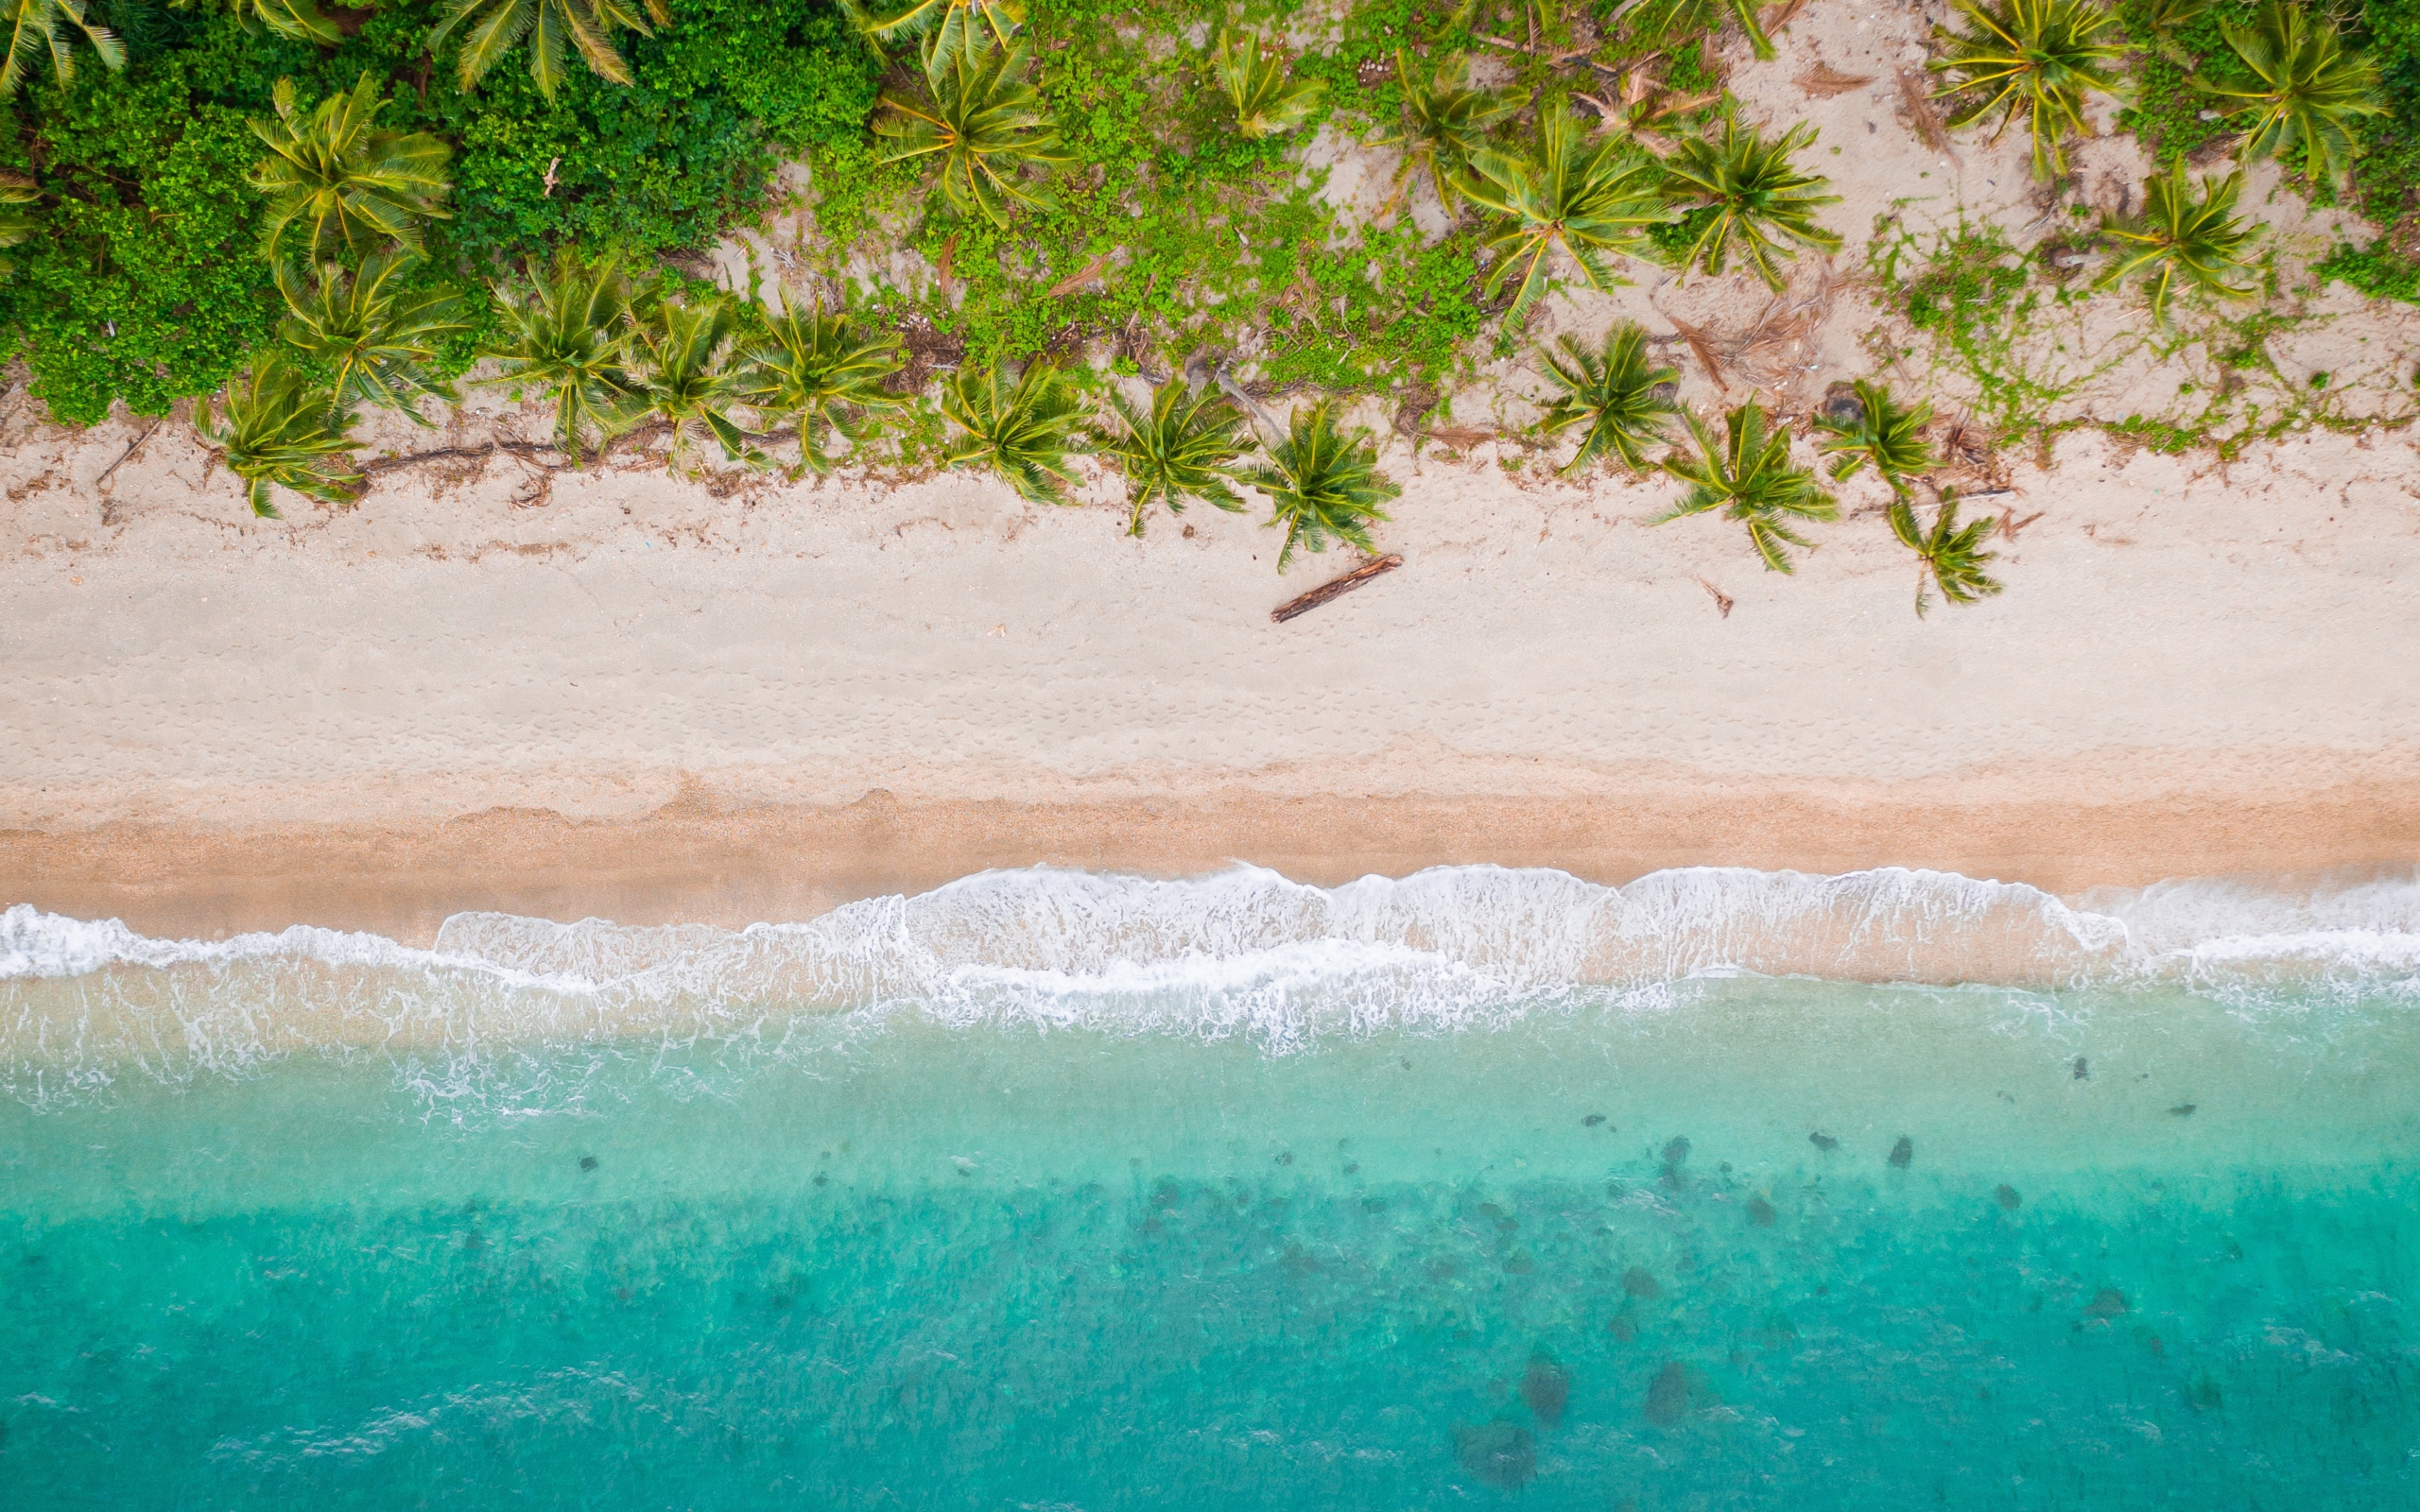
(1075, 1193)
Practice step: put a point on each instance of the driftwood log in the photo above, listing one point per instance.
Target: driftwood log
(1338, 589)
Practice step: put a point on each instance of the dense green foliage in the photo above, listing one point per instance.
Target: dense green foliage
(143, 283)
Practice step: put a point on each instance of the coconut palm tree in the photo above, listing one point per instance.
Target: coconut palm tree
(372, 334)
(815, 369)
(1253, 74)
(1323, 484)
(333, 177)
(1184, 447)
(689, 383)
(2311, 93)
(2181, 238)
(1869, 426)
(40, 27)
(1949, 554)
(497, 26)
(984, 121)
(1621, 399)
(283, 432)
(1746, 474)
(1446, 118)
(1665, 21)
(18, 222)
(2034, 61)
(569, 336)
(1588, 200)
(1025, 431)
(1757, 197)
(958, 24)
(297, 19)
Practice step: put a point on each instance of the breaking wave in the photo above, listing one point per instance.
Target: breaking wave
(1243, 954)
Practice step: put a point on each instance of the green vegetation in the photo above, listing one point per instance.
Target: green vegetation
(816, 371)
(344, 187)
(566, 338)
(1749, 198)
(2307, 95)
(1183, 447)
(375, 338)
(2034, 61)
(1867, 427)
(1619, 400)
(491, 28)
(2181, 237)
(1025, 431)
(1586, 202)
(689, 387)
(1746, 474)
(1949, 554)
(1266, 99)
(1324, 484)
(981, 121)
(1445, 120)
(281, 432)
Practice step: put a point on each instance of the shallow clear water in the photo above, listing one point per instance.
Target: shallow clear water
(1225, 1194)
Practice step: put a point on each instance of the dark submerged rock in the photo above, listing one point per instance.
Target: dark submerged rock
(1547, 1387)
(1592, 1120)
(1500, 1454)
(2006, 1196)
(2082, 1069)
(1904, 1153)
(1637, 1283)
(1760, 1213)
(2182, 1110)
(1668, 1396)
(2107, 1302)
(588, 1163)
(1823, 1141)
(1676, 1152)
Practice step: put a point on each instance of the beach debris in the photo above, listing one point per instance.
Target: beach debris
(1823, 1141)
(1078, 280)
(2006, 1196)
(2010, 525)
(2182, 1110)
(1638, 1282)
(1760, 1213)
(1547, 1387)
(1703, 350)
(1721, 600)
(1923, 116)
(1592, 1120)
(1498, 1453)
(1304, 603)
(1826, 82)
(1904, 1153)
(2107, 1302)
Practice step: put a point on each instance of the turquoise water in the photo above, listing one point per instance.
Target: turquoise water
(1072, 1193)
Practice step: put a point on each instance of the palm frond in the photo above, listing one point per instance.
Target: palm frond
(371, 333)
(2311, 94)
(1950, 553)
(282, 431)
(1588, 201)
(2182, 238)
(494, 28)
(1619, 399)
(1871, 427)
(47, 29)
(568, 335)
(338, 182)
(2034, 61)
(1746, 474)
(815, 369)
(958, 24)
(687, 379)
(1660, 23)
(1323, 484)
(1184, 447)
(983, 120)
(18, 222)
(1757, 198)
(1445, 119)
(1025, 431)
(1253, 74)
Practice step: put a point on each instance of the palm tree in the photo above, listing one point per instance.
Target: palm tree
(985, 122)
(1872, 427)
(281, 432)
(1757, 198)
(569, 337)
(349, 187)
(959, 23)
(2036, 60)
(2311, 92)
(1621, 398)
(47, 26)
(1588, 200)
(586, 25)
(814, 367)
(1253, 73)
(2181, 238)
(1445, 120)
(296, 20)
(688, 382)
(1323, 484)
(1949, 554)
(1025, 431)
(1184, 447)
(17, 223)
(371, 333)
(1669, 21)
(1746, 474)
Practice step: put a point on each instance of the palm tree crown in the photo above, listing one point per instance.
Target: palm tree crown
(1447, 119)
(1025, 431)
(333, 178)
(1253, 74)
(49, 26)
(1949, 554)
(2180, 238)
(496, 26)
(1757, 198)
(1621, 399)
(282, 431)
(957, 24)
(2034, 61)
(1588, 200)
(1869, 426)
(814, 367)
(372, 334)
(1184, 447)
(1323, 484)
(984, 121)
(2311, 92)
(1746, 474)
(689, 383)
(568, 334)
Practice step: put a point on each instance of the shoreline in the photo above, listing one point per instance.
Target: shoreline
(700, 861)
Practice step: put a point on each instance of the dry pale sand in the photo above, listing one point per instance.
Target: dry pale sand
(622, 694)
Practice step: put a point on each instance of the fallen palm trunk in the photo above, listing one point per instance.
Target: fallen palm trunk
(1338, 589)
